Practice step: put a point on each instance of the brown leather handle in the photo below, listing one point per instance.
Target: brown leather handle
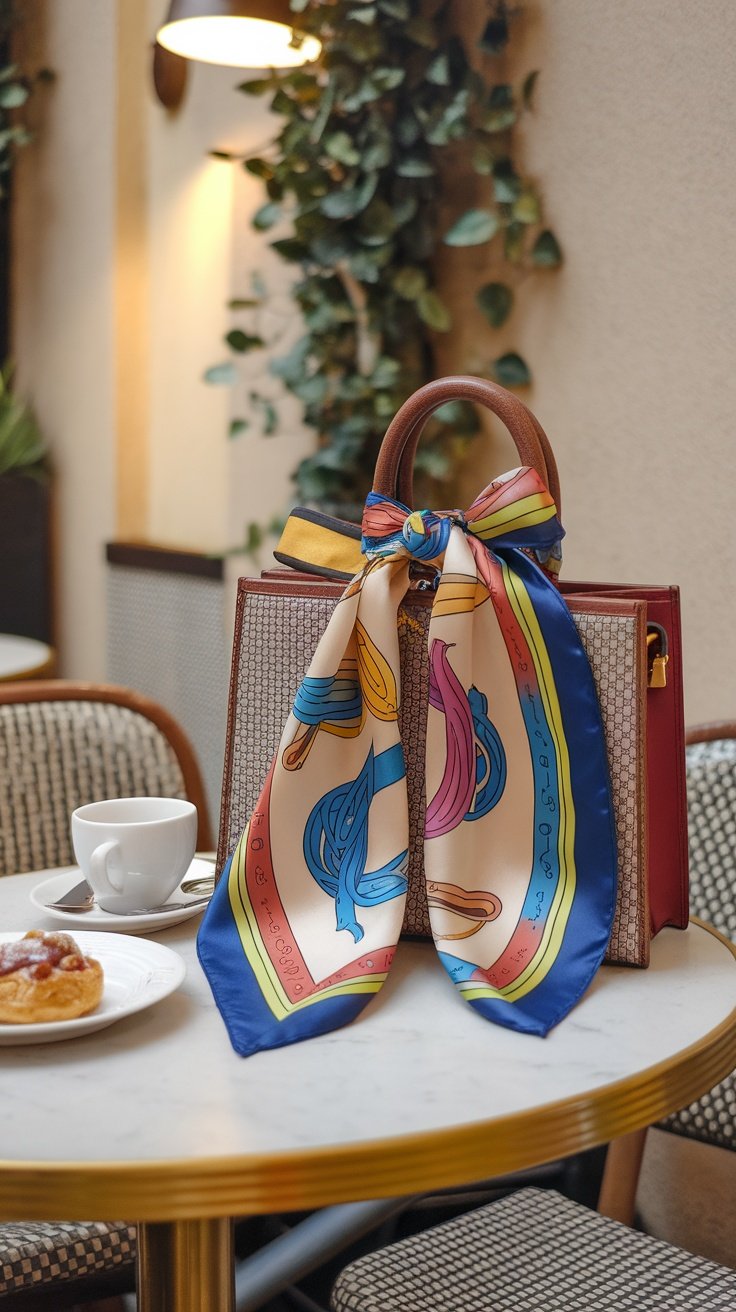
(394, 476)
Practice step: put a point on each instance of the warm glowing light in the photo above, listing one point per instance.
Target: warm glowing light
(238, 42)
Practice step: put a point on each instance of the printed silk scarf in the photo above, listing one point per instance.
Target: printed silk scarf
(519, 843)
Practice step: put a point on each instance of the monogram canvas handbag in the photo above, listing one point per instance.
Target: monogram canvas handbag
(631, 636)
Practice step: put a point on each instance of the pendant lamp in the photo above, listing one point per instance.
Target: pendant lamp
(239, 33)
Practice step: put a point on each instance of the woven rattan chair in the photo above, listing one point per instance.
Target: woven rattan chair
(536, 1251)
(63, 744)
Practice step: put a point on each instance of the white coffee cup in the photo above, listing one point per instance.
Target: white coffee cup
(134, 851)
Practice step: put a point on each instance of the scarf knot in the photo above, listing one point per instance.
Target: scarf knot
(516, 511)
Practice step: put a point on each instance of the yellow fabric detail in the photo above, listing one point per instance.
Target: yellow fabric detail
(317, 545)
(535, 509)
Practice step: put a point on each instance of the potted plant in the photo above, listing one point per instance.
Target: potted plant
(25, 593)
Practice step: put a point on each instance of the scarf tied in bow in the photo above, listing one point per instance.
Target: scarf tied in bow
(519, 841)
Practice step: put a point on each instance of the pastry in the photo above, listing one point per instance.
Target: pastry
(45, 977)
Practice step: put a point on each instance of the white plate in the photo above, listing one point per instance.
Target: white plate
(145, 923)
(137, 974)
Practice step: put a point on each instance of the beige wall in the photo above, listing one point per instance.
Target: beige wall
(63, 273)
(630, 344)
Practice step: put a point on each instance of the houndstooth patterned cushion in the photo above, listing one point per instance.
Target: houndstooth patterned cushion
(37, 1253)
(533, 1252)
(711, 803)
(57, 755)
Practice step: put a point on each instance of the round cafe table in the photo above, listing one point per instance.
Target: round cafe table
(155, 1119)
(24, 658)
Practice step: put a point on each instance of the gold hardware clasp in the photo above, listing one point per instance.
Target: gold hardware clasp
(657, 655)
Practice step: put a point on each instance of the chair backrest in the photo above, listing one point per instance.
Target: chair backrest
(63, 744)
(711, 804)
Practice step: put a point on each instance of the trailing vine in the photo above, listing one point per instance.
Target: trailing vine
(15, 89)
(357, 176)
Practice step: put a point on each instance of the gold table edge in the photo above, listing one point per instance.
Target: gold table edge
(170, 1190)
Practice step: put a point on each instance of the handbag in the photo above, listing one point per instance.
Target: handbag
(632, 637)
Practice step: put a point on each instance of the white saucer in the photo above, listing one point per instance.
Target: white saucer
(137, 974)
(145, 923)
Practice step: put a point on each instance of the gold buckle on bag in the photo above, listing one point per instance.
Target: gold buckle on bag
(657, 655)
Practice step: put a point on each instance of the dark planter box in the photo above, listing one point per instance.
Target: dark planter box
(25, 554)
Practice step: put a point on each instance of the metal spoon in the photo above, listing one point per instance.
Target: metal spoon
(79, 898)
(203, 884)
(164, 906)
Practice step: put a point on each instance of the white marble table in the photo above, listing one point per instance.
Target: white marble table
(157, 1120)
(23, 658)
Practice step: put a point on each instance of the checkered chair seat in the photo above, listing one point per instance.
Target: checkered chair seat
(534, 1251)
(711, 809)
(34, 1254)
(57, 755)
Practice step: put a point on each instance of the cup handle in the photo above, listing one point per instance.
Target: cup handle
(107, 879)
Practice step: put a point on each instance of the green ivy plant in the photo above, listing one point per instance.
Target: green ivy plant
(356, 181)
(15, 88)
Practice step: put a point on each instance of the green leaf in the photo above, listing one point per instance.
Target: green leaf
(472, 229)
(527, 88)
(253, 539)
(526, 207)
(260, 168)
(243, 304)
(257, 86)
(266, 216)
(268, 413)
(290, 248)
(340, 146)
(388, 79)
(450, 123)
(376, 154)
(495, 301)
(511, 371)
(434, 312)
(546, 253)
(223, 375)
(409, 282)
(501, 112)
(22, 447)
(386, 372)
(498, 120)
(483, 160)
(411, 166)
(400, 9)
(495, 35)
(506, 182)
(377, 223)
(438, 70)
(242, 342)
(290, 367)
(13, 94)
(365, 14)
(349, 201)
(238, 426)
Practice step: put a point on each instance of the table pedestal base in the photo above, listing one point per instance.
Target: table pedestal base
(185, 1266)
